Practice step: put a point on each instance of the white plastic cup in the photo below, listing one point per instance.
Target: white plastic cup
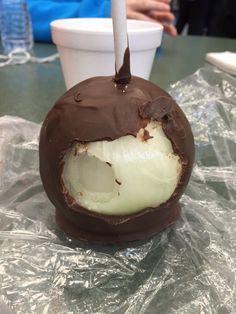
(86, 47)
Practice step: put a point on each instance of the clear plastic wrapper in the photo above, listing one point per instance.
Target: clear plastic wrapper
(188, 268)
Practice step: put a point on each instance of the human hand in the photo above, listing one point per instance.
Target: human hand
(152, 10)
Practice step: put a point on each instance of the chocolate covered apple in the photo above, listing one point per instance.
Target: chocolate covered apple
(115, 159)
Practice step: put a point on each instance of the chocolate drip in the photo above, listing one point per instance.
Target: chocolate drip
(123, 76)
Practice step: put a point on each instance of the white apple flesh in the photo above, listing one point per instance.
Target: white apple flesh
(122, 176)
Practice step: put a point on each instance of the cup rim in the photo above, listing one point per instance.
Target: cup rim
(144, 26)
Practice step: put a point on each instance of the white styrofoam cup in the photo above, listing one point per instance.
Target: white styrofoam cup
(86, 47)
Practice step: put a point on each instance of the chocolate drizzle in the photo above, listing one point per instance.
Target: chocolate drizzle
(96, 110)
(123, 76)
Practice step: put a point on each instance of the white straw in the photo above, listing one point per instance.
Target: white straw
(118, 13)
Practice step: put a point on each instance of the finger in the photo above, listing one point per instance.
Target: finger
(165, 1)
(146, 5)
(139, 16)
(170, 29)
(162, 16)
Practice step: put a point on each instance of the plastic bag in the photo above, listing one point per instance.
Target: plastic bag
(188, 268)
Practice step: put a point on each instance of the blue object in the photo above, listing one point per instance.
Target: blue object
(16, 28)
(45, 11)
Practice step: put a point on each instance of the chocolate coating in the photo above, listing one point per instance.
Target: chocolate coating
(123, 76)
(94, 110)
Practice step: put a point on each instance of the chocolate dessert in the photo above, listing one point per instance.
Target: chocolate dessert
(116, 155)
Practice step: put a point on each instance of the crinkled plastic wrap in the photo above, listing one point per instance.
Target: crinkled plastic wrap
(188, 268)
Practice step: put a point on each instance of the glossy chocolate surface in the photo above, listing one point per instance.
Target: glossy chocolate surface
(98, 109)
(123, 76)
